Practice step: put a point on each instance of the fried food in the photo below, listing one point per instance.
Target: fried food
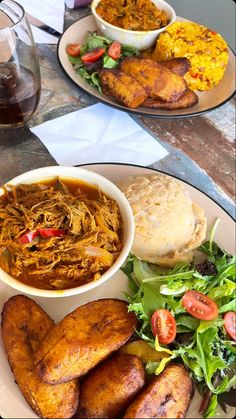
(24, 326)
(188, 99)
(83, 338)
(168, 396)
(178, 65)
(157, 80)
(111, 387)
(123, 87)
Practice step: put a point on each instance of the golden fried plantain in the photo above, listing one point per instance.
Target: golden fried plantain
(168, 396)
(157, 80)
(188, 99)
(111, 387)
(24, 325)
(178, 65)
(123, 87)
(83, 338)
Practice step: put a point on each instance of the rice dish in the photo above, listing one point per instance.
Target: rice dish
(168, 225)
(206, 50)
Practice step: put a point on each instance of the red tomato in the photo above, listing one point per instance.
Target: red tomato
(199, 305)
(73, 49)
(164, 326)
(92, 56)
(51, 232)
(230, 324)
(28, 237)
(114, 50)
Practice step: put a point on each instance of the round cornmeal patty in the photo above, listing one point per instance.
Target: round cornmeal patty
(205, 48)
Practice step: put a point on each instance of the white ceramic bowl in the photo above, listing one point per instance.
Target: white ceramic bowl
(47, 173)
(138, 39)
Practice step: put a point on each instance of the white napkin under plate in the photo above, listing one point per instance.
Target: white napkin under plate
(98, 133)
(50, 12)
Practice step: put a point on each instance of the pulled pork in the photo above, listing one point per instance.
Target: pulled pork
(51, 238)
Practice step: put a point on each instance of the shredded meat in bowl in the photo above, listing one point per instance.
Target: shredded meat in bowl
(53, 237)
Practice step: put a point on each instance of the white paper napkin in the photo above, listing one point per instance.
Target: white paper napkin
(50, 12)
(98, 133)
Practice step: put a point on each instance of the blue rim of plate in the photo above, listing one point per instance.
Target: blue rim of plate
(136, 111)
(159, 171)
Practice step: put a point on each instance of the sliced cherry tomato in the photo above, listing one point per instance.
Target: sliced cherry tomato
(230, 324)
(199, 305)
(164, 326)
(51, 232)
(73, 49)
(92, 56)
(114, 50)
(28, 237)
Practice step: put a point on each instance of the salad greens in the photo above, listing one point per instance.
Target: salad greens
(89, 71)
(203, 346)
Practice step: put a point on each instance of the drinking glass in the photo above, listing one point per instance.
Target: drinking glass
(19, 67)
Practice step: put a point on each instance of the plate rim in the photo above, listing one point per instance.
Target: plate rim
(129, 110)
(165, 173)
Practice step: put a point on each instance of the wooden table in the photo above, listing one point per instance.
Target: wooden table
(201, 148)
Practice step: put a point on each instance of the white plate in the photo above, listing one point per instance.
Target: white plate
(12, 402)
(77, 32)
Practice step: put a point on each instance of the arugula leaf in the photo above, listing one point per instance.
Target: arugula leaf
(95, 41)
(74, 60)
(96, 81)
(230, 306)
(128, 51)
(186, 323)
(211, 408)
(224, 290)
(91, 78)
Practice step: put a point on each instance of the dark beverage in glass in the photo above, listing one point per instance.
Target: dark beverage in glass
(19, 67)
(19, 94)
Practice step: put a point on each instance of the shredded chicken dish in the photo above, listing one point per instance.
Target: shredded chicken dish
(58, 235)
(134, 15)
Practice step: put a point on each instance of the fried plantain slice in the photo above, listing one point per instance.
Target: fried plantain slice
(123, 87)
(157, 80)
(24, 325)
(178, 65)
(83, 338)
(188, 99)
(111, 387)
(168, 396)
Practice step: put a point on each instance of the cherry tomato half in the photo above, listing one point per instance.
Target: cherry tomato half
(199, 305)
(73, 49)
(164, 326)
(114, 50)
(230, 324)
(92, 56)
